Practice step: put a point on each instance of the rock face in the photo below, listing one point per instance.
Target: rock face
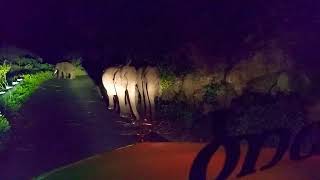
(264, 84)
(284, 82)
(193, 86)
(292, 82)
(260, 64)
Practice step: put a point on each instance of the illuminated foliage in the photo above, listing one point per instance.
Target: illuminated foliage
(4, 125)
(80, 71)
(4, 69)
(167, 79)
(13, 100)
(22, 65)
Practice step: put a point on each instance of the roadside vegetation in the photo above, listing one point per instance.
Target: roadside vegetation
(77, 62)
(21, 73)
(14, 99)
(4, 125)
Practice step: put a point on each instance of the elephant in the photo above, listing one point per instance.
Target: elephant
(151, 89)
(125, 85)
(108, 83)
(65, 70)
(140, 85)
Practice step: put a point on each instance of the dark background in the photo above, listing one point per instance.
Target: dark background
(110, 30)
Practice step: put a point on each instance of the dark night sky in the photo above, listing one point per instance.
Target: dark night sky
(54, 28)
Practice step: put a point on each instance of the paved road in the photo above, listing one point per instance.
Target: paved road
(63, 122)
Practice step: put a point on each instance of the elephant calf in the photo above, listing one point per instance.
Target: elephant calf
(65, 70)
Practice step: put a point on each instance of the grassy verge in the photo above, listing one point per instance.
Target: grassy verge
(14, 99)
(80, 72)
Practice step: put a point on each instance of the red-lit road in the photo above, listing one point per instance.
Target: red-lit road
(63, 122)
(172, 161)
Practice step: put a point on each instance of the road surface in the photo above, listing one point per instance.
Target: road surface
(173, 161)
(64, 121)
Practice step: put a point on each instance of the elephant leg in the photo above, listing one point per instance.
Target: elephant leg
(152, 95)
(111, 102)
(116, 103)
(72, 76)
(143, 99)
(127, 103)
(152, 108)
(60, 74)
(138, 99)
(132, 100)
(115, 98)
(111, 93)
(124, 110)
(147, 102)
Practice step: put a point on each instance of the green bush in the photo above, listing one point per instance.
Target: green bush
(4, 69)
(80, 71)
(23, 65)
(15, 98)
(167, 79)
(23, 61)
(4, 125)
(43, 67)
